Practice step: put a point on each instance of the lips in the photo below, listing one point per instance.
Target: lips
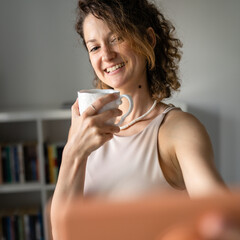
(114, 68)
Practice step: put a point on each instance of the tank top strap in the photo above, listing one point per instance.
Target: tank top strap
(156, 123)
(168, 109)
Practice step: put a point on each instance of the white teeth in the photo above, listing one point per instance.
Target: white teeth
(114, 68)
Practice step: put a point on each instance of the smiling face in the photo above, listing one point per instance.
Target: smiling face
(112, 58)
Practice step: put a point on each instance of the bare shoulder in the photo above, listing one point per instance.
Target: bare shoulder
(178, 117)
(179, 125)
(185, 141)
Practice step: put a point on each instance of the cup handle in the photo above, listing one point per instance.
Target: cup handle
(130, 101)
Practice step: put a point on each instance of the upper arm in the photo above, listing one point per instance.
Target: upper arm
(192, 149)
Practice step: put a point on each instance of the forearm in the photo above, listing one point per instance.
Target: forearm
(70, 184)
(72, 173)
(88, 132)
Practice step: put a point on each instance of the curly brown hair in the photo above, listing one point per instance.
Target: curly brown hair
(130, 20)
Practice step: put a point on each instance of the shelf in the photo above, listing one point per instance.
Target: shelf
(49, 187)
(26, 187)
(20, 187)
(39, 127)
(9, 116)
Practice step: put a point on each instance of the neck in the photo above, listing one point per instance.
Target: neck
(140, 118)
(142, 103)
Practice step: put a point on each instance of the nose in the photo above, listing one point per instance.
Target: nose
(108, 53)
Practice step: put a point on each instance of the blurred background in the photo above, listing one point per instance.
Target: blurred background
(43, 64)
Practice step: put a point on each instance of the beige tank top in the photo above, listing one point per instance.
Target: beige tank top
(127, 165)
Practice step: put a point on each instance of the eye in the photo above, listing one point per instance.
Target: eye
(93, 49)
(116, 39)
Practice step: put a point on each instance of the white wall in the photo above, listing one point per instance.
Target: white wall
(210, 73)
(43, 64)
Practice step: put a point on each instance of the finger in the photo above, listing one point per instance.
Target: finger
(110, 129)
(100, 131)
(230, 233)
(99, 103)
(180, 232)
(106, 137)
(220, 227)
(75, 109)
(109, 114)
(210, 225)
(99, 140)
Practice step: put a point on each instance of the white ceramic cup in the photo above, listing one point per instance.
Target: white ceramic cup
(88, 97)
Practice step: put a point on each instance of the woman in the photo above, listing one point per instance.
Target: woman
(132, 49)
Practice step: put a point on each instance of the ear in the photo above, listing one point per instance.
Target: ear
(151, 36)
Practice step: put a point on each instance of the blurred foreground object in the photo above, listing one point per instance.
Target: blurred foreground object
(159, 217)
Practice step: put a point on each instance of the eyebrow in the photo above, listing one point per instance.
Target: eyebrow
(94, 40)
(91, 40)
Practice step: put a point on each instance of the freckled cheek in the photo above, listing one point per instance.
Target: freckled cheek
(95, 64)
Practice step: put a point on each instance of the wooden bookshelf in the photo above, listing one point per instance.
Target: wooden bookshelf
(43, 128)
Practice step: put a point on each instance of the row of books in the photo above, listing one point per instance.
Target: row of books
(53, 159)
(22, 225)
(19, 163)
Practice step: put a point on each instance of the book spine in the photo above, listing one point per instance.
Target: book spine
(53, 156)
(55, 162)
(59, 156)
(27, 166)
(51, 162)
(1, 167)
(5, 227)
(8, 165)
(1, 227)
(26, 227)
(21, 163)
(22, 224)
(30, 162)
(4, 164)
(16, 163)
(12, 164)
(21, 227)
(46, 161)
(34, 162)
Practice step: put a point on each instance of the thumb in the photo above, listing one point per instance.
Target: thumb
(75, 109)
(179, 232)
